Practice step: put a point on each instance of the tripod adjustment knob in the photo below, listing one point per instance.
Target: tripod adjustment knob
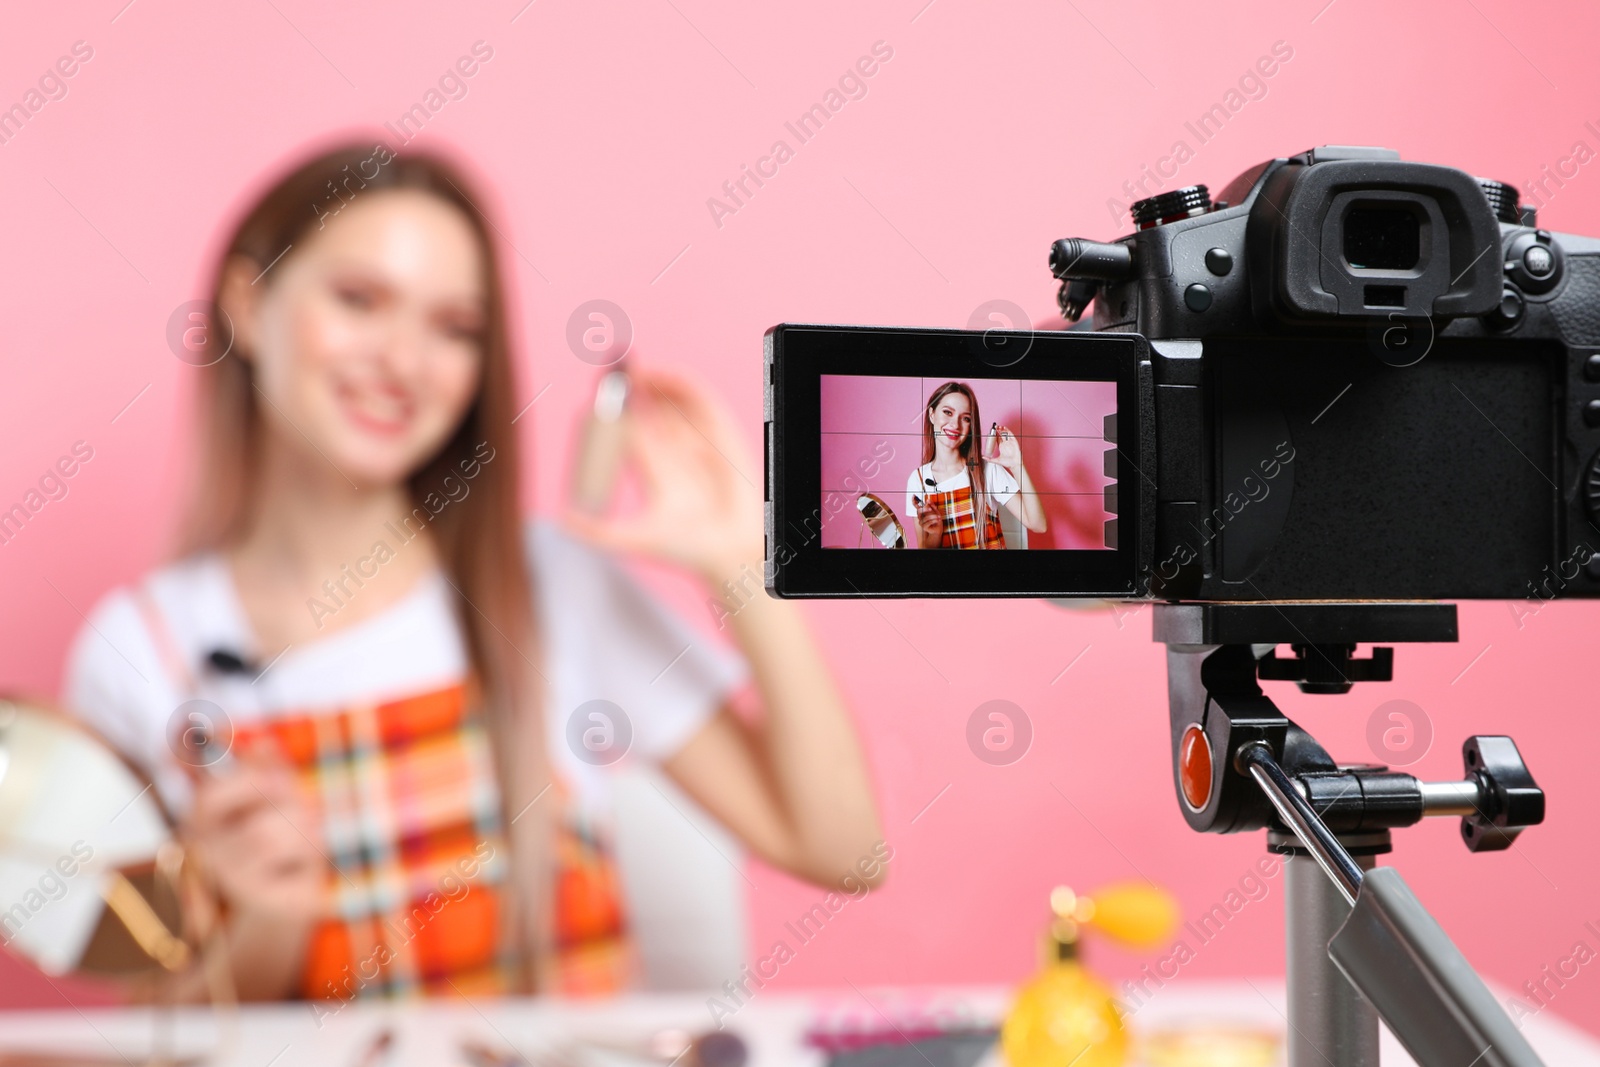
(1508, 797)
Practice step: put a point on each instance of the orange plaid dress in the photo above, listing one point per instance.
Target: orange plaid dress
(409, 808)
(410, 815)
(960, 526)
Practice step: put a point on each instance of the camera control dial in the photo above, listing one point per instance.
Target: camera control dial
(1170, 206)
(1504, 200)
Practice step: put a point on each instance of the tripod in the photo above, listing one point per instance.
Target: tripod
(1359, 944)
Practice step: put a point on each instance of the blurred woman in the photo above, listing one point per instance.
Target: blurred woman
(425, 691)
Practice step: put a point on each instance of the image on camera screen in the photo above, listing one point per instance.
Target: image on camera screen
(974, 463)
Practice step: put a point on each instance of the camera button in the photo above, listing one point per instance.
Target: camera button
(1194, 767)
(1591, 367)
(1538, 261)
(1533, 262)
(1219, 261)
(1197, 297)
(1510, 311)
(1591, 413)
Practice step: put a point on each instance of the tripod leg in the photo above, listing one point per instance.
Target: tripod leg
(1330, 1024)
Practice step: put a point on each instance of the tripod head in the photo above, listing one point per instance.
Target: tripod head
(1241, 764)
(1216, 654)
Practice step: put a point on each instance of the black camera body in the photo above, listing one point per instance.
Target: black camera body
(1371, 379)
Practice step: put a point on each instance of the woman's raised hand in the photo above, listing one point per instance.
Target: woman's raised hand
(1005, 450)
(702, 506)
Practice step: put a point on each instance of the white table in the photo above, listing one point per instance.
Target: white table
(289, 1035)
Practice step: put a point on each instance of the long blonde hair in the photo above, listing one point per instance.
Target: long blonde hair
(479, 538)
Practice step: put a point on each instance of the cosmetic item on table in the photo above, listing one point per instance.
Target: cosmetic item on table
(1211, 1045)
(478, 1053)
(661, 1048)
(1065, 1015)
(667, 1048)
(899, 1034)
(940, 1050)
(376, 1052)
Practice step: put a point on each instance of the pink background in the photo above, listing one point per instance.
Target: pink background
(1058, 424)
(603, 129)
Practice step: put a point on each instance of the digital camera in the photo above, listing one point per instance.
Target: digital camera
(1349, 377)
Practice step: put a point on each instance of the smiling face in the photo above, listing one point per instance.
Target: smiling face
(366, 342)
(951, 419)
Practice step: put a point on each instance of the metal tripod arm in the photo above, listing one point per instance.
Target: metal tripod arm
(1393, 951)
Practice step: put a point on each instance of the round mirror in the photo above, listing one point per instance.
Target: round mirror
(89, 866)
(880, 521)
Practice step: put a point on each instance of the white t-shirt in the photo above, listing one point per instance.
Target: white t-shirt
(604, 638)
(998, 483)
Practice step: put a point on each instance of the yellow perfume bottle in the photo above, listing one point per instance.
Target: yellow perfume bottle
(1064, 1016)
